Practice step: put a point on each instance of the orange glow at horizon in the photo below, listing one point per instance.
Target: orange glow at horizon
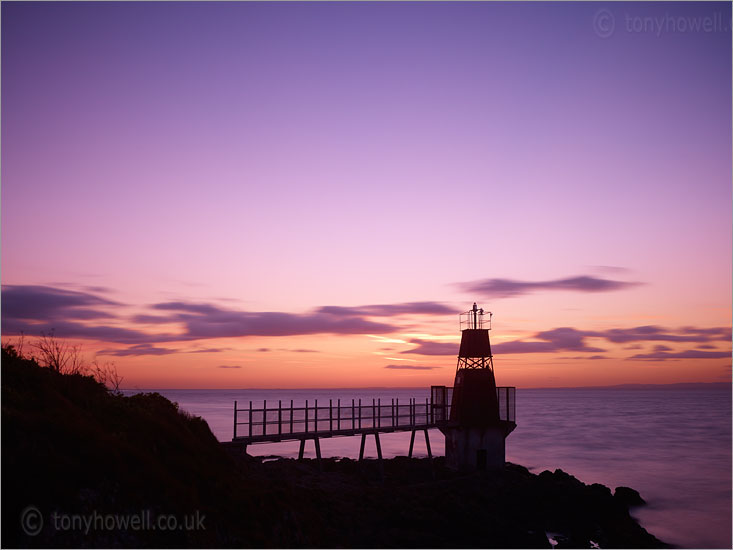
(342, 361)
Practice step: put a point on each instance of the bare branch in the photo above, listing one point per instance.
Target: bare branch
(20, 345)
(58, 355)
(76, 363)
(106, 374)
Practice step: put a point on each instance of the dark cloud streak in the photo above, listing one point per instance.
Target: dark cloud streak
(571, 339)
(559, 339)
(34, 302)
(687, 354)
(74, 330)
(409, 367)
(36, 309)
(428, 347)
(650, 333)
(140, 349)
(505, 288)
(391, 310)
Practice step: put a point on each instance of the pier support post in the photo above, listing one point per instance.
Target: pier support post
(318, 448)
(379, 451)
(427, 443)
(318, 453)
(361, 449)
(376, 440)
(379, 454)
(316, 444)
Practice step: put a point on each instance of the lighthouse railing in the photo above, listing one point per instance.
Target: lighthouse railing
(469, 320)
(442, 397)
(506, 397)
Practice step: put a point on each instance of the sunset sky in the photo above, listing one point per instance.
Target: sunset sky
(236, 195)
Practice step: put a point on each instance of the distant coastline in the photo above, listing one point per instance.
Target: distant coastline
(675, 386)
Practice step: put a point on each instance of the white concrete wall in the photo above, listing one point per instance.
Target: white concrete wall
(462, 446)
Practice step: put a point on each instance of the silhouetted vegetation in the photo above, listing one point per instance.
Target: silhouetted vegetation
(65, 358)
(58, 355)
(72, 446)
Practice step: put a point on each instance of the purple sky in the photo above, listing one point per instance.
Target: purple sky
(283, 157)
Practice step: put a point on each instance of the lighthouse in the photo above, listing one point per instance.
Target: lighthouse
(481, 415)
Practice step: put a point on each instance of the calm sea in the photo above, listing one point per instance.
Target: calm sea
(672, 445)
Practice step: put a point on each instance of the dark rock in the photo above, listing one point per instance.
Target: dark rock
(628, 496)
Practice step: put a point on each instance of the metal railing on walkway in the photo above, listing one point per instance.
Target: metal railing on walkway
(282, 421)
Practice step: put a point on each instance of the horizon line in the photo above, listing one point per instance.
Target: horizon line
(613, 386)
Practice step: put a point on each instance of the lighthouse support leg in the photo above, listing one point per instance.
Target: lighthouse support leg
(427, 444)
(412, 444)
(302, 449)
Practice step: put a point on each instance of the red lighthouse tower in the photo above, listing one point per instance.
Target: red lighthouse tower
(481, 415)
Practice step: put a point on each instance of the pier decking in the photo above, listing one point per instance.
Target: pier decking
(288, 422)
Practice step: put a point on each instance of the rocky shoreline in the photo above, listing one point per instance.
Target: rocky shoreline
(419, 503)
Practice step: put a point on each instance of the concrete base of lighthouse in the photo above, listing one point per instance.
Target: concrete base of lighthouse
(476, 448)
